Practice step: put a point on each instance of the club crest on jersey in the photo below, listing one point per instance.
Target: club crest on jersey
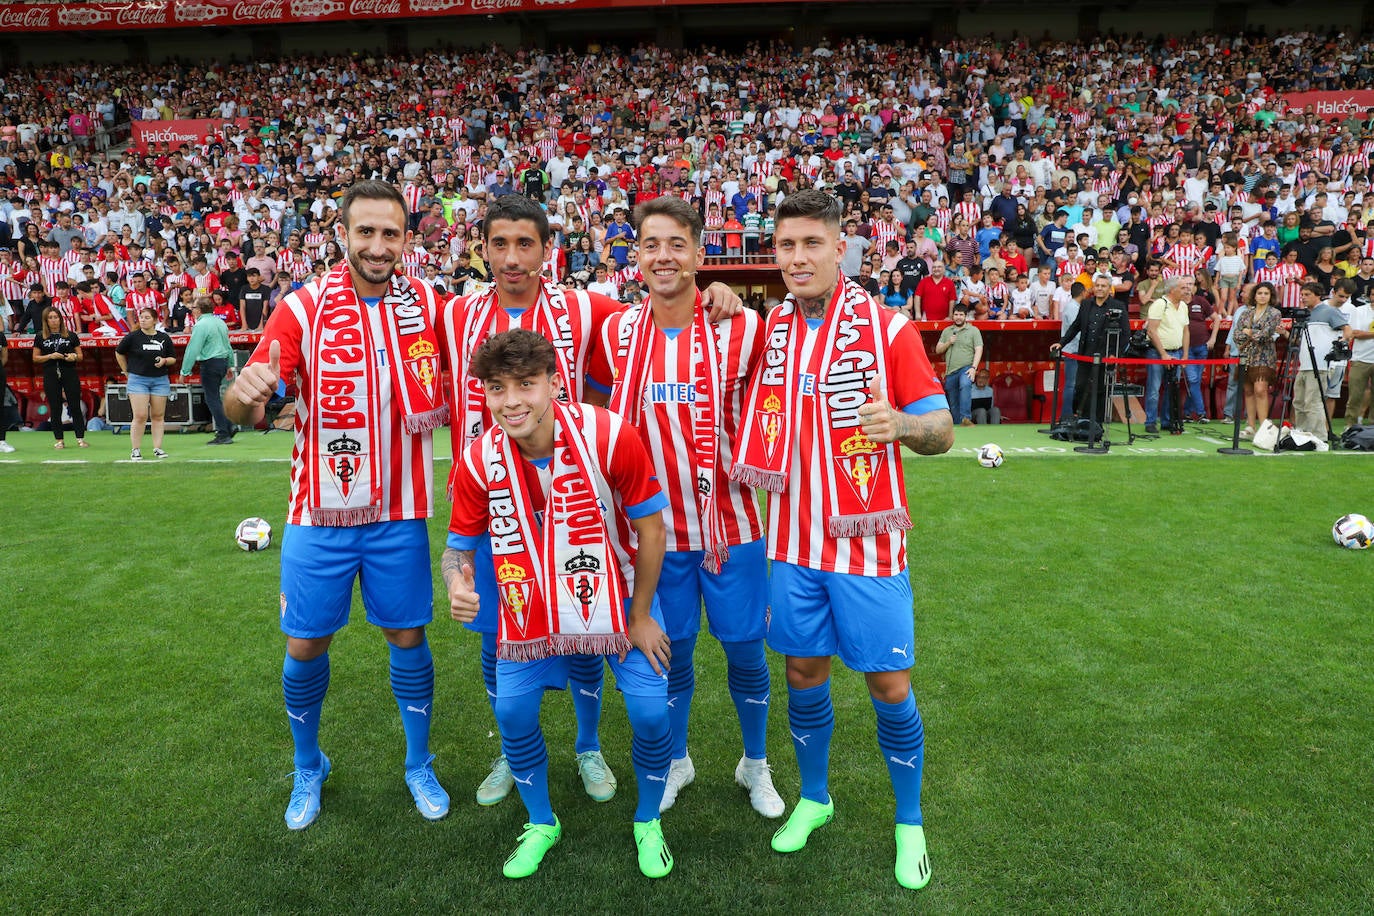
(345, 459)
(582, 579)
(859, 461)
(422, 362)
(770, 421)
(515, 588)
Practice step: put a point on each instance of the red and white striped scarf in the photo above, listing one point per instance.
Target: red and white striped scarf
(851, 355)
(634, 349)
(343, 439)
(560, 587)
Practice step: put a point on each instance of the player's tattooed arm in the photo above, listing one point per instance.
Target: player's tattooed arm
(456, 568)
(928, 433)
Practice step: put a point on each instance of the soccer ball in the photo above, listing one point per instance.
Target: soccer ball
(253, 534)
(990, 455)
(1353, 532)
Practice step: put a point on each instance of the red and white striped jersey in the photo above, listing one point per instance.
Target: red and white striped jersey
(1160, 171)
(458, 127)
(796, 525)
(626, 274)
(412, 193)
(174, 282)
(406, 460)
(623, 477)
(1187, 259)
(51, 270)
(140, 266)
(969, 210)
(1282, 276)
(546, 148)
(556, 265)
(294, 263)
(313, 243)
(670, 391)
(12, 282)
(413, 261)
(943, 217)
(68, 307)
(135, 302)
(885, 231)
(1369, 247)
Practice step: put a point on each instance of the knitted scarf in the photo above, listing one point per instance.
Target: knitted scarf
(634, 349)
(852, 351)
(343, 439)
(560, 586)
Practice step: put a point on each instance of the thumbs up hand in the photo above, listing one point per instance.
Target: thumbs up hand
(257, 383)
(878, 416)
(462, 595)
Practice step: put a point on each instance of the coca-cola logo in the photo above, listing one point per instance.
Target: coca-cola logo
(257, 12)
(137, 14)
(309, 9)
(197, 12)
(374, 8)
(434, 6)
(487, 6)
(33, 17)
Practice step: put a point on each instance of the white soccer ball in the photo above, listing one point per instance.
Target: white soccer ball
(1353, 532)
(253, 534)
(990, 455)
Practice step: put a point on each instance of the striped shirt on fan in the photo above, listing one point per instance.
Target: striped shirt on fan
(1282, 276)
(135, 302)
(669, 393)
(796, 524)
(405, 462)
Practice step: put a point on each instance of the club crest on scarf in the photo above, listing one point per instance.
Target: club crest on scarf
(345, 459)
(859, 460)
(582, 579)
(770, 421)
(422, 362)
(516, 589)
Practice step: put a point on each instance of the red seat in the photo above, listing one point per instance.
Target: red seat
(1011, 394)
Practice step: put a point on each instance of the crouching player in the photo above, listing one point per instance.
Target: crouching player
(575, 515)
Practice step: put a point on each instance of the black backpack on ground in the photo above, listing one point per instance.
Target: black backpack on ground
(1358, 438)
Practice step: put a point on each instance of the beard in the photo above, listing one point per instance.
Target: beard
(370, 272)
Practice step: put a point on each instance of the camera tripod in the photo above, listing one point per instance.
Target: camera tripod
(1300, 338)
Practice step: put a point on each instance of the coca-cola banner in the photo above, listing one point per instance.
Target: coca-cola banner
(1331, 105)
(151, 14)
(171, 134)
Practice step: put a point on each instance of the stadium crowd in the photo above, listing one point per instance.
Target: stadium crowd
(980, 171)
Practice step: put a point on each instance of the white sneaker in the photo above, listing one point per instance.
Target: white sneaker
(757, 777)
(6, 447)
(135, 455)
(680, 775)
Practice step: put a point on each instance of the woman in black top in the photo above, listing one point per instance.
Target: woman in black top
(58, 351)
(146, 356)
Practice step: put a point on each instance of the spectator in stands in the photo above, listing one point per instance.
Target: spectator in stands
(58, 350)
(934, 295)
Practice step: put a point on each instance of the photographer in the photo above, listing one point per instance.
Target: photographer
(1324, 327)
(1099, 312)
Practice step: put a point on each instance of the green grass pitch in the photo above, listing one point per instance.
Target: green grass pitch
(1146, 681)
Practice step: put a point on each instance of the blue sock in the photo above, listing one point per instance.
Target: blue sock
(489, 667)
(812, 720)
(682, 684)
(522, 741)
(586, 677)
(651, 750)
(902, 739)
(412, 683)
(746, 672)
(303, 685)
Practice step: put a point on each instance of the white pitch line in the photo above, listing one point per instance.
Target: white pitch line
(65, 461)
(209, 460)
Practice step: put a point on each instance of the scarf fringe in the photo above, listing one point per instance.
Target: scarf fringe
(589, 644)
(754, 477)
(417, 423)
(342, 518)
(875, 523)
(531, 651)
(715, 558)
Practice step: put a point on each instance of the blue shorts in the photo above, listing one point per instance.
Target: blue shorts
(319, 564)
(149, 384)
(868, 621)
(736, 597)
(634, 676)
